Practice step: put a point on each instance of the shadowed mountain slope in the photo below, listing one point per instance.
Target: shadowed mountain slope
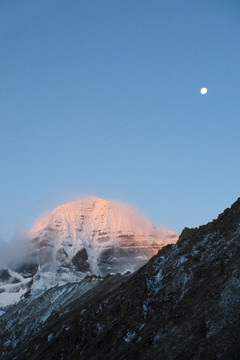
(183, 304)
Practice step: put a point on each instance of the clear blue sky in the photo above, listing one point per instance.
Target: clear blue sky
(103, 98)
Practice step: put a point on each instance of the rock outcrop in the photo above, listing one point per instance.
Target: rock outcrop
(183, 304)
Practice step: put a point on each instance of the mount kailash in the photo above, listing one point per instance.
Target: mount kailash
(184, 304)
(85, 237)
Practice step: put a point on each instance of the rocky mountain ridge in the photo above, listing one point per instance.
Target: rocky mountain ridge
(183, 304)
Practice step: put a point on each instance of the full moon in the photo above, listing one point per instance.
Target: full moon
(203, 91)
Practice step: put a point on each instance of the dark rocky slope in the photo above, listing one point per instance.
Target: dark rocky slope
(184, 304)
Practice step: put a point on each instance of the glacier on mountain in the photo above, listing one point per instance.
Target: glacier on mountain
(84, 237)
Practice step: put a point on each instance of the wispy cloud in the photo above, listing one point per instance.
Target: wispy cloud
(15, 252)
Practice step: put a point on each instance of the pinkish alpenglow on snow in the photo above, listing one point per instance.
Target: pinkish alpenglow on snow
(84, 237)
(183, 304)
(97, 236)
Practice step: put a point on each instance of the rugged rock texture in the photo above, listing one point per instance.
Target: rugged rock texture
(183, 304)
(89, 236)
(98, 236)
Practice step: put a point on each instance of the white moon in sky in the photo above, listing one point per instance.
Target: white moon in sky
(203, 91)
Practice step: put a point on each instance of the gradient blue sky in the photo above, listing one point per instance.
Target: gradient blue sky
(103, 98)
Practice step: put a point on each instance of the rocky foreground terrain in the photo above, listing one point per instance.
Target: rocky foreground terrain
(183, 304)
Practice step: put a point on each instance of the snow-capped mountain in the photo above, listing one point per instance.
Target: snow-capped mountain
(89, 236)
(183, 304)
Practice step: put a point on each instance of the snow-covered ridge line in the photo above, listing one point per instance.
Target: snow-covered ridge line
(88, 236)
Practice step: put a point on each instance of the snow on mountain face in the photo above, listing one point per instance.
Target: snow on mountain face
(97, 236)
(89, 236)
(183, 304)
